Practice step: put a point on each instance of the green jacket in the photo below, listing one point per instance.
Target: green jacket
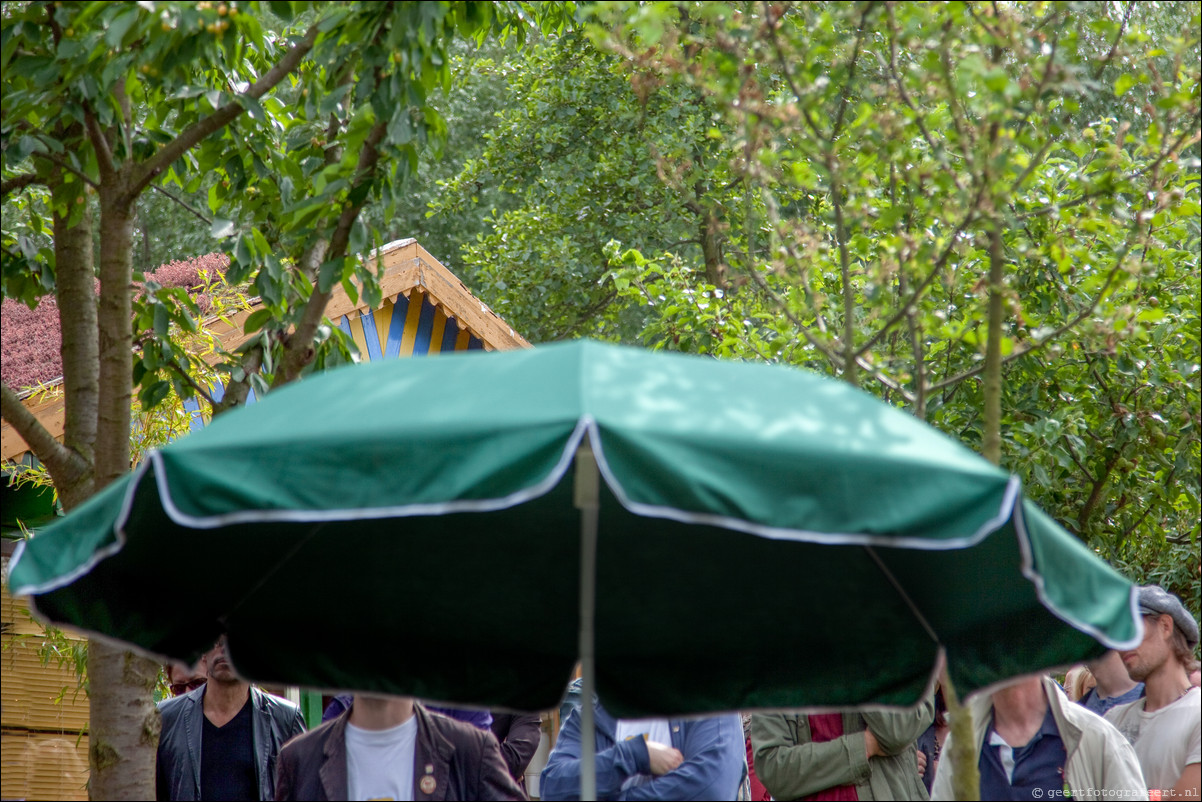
(790, 766)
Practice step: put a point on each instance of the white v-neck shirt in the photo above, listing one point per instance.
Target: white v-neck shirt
(379, 763)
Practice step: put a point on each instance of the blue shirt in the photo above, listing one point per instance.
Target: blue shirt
(715, 760)
(1091, 700)
(1038, 765)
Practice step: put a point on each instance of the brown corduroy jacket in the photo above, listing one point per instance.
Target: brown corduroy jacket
(463, 762)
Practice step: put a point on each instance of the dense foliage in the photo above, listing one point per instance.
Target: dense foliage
(861, 168)
(986, 213)
(286, 120)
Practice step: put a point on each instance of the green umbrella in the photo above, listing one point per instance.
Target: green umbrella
(758, 536)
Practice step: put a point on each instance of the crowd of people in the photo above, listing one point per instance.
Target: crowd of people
(1126, 726)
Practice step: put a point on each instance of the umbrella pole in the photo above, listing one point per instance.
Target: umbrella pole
(587, 494)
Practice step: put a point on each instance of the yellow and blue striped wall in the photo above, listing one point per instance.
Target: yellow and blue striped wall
(410, 326)
(401, 327)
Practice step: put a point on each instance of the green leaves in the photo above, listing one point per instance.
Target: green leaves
(854, 176)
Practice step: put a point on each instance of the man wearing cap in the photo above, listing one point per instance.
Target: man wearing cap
(1165, 727)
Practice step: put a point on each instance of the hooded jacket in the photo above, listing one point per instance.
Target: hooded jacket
(177, 765)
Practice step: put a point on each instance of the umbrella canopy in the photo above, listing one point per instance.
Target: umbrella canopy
(766, 537)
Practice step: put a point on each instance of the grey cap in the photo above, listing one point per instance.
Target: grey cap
(1155, 600)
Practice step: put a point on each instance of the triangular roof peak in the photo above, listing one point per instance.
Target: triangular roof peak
(407, 273)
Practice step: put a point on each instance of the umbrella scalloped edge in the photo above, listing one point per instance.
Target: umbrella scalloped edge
(1010, 509)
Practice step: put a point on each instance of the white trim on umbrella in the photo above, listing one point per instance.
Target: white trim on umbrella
(1036, 579)
(545, 485)
(802, 535)
(96, 557)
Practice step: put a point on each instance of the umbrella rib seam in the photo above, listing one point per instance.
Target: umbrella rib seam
(922, 619)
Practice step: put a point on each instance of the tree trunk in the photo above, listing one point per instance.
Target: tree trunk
(991, 446)
(115, 333)
(851, 370)
(124, 731)
(124, 726)
(76, 295)
(715, 271)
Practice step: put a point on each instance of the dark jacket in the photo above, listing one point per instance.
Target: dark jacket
(177, 766)
(519, 736)
(464, 762)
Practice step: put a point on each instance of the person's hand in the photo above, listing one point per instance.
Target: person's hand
(871, 745)
(663, 758)
(922, 763)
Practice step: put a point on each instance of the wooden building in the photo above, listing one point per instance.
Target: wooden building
(426, 311)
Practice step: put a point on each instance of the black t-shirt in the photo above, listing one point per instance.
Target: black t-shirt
(227, 759)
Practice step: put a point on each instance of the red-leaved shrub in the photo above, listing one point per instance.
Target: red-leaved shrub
(31, 339)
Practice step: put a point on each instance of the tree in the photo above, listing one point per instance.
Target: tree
(574, 153)
(296, 130)
(905, 193)
(938, 205)
(937, 201)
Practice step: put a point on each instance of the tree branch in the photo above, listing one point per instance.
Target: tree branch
(784, 67)
(851, 71)
(183, 203)
(55, 159)
(298, 348)
(236, 392)
(100, 143)
(963, 131)
(66, 467)
(1095, 493)
(17, 183)
(1043, 81)
(1183, 538)
(850, 356)
(586, 314)
(919, 119)
(940, 263)
(1118, 38)
(194, 133)
(196, 386)
(1147, 509)
(1072, 452)
(832, 356)
(1187, 138)
(1020, 352)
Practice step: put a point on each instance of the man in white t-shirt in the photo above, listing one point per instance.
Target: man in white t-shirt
(1165, 727)
(390, 747)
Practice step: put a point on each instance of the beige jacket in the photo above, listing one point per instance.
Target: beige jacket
(1099, 762)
